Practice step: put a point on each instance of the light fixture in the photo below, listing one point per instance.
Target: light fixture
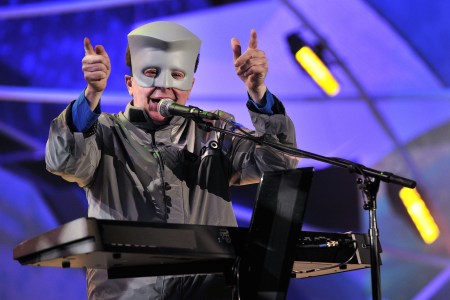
(411, 206)
(420, 214)
(311, 62)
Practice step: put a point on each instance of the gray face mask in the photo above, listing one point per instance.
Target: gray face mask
(167, 47)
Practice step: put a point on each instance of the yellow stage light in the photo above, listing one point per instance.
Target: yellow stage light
(420, 215)
(313, 65)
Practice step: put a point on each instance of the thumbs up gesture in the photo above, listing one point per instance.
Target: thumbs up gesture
(251, 66)
(96, 67)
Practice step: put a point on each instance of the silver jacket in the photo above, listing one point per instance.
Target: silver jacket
(176, 173)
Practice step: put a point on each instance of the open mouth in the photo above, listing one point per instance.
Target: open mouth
(153, 101)
(156, 101)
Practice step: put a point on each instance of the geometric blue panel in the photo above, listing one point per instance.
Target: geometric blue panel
(24, 214)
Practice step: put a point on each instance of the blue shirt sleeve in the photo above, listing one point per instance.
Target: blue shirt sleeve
(82, 116)
(265, 105)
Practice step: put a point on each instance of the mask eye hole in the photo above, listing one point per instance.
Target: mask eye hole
(151, 72)
(178, 75)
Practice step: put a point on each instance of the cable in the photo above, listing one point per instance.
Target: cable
(328, 244)
(235, 271)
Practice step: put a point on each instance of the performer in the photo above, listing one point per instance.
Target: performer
(141, 166)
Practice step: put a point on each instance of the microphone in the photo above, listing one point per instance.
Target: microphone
(168, 108)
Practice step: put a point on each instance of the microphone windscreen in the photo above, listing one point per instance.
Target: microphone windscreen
(163, 107)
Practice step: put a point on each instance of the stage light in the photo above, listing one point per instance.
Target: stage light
(311, 62)
(420, 215)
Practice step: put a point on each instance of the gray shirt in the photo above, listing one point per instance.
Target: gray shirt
(176, 173)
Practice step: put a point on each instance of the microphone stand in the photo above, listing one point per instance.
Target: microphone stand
(369, 184)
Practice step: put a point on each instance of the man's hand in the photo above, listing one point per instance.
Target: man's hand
(96, 67)
(251, 66)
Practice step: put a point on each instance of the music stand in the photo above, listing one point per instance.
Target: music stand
(266, 264)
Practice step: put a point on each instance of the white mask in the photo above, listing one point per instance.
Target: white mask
(167, 47)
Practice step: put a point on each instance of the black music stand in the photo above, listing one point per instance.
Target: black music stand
(266, 264)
